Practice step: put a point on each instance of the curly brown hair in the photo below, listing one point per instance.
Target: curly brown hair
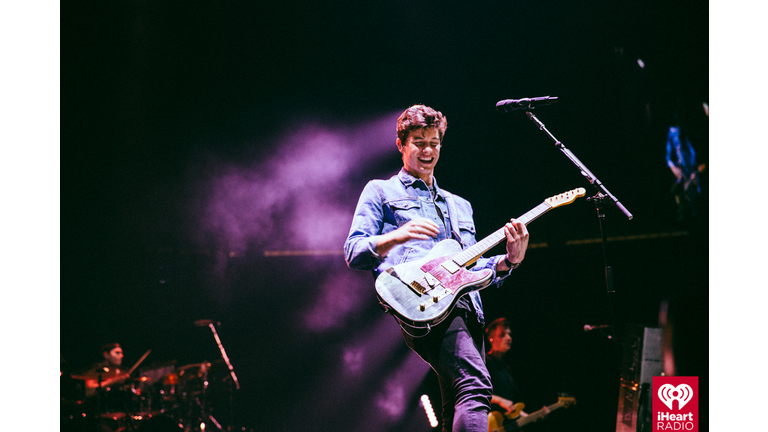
(420, 116)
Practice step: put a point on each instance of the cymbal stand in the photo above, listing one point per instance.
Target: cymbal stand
(99, 402)
(229, 366)
(224, 355)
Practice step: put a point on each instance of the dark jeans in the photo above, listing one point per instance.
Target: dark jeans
(455, 350)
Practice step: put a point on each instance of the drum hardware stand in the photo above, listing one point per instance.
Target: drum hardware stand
(602, 196)
(99, 397)
(224, 355)
(101, 391)
(215, 423)
(229, 366)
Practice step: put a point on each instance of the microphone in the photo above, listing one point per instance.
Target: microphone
(204, 322)
(588, 327)
(508, 105)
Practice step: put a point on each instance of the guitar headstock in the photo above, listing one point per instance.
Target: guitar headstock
(565, 197)
(566, 401)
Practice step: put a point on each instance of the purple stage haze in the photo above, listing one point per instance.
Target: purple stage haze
(296, 197)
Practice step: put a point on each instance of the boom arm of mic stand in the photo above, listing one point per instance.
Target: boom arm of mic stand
(224, 355)
(584, 170)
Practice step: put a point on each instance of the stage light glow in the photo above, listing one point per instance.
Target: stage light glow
(641, 63)
(427, 404)
(400, 386)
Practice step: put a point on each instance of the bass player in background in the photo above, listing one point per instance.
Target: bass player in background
(399, 220)
(506, 401)
(505, 390)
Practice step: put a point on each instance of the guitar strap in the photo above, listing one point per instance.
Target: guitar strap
(452, 215)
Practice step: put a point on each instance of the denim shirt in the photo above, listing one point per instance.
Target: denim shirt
(386, 205)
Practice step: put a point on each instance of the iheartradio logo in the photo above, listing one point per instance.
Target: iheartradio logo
(669, 393)
(671, 416)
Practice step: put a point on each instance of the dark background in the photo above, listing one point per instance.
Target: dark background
(158, 97)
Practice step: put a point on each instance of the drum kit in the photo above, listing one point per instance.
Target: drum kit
(160, 397)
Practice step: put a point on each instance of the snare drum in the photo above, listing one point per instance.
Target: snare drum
(161, 423)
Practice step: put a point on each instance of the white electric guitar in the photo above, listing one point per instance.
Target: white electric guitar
(421, 293)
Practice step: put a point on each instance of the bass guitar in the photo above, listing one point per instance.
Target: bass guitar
(507, 422)
(421, 293)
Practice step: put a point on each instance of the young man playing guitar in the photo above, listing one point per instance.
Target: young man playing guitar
(400, 220)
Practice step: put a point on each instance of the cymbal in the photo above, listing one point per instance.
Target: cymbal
(104, 377)
(83, 377)
(94, 373)
(194, 365)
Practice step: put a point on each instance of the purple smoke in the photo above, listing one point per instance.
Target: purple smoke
(297, 198)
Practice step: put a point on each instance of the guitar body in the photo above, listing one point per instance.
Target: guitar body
(506, 422)
(496, 421)
(500, 421)
(421, 293)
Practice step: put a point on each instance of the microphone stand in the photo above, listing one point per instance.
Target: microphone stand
(584, 170)
(599, 199)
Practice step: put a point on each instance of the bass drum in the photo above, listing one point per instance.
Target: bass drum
(160, 423)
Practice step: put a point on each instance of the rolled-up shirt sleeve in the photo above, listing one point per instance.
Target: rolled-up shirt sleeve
(360, 247)
(491, 263)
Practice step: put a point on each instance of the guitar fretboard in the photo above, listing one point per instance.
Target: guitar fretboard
(538, 414)
(477, 250)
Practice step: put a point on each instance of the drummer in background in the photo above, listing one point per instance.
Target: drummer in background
(108, 372)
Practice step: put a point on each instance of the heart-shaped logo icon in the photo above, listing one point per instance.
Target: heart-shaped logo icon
(682, 393)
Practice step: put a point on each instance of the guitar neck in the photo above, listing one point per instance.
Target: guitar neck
(472, 253)
(538, 414)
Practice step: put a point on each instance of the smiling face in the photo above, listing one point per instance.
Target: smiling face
(421, 152)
